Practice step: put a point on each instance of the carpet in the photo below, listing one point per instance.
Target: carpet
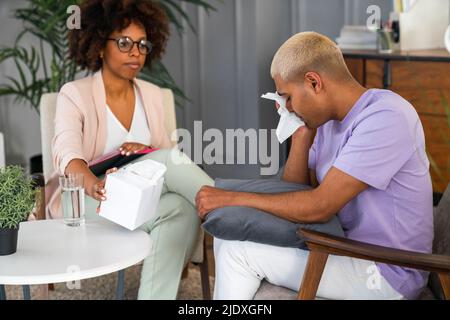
(104, 287)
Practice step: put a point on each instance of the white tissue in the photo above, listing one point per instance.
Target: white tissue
(289, 121)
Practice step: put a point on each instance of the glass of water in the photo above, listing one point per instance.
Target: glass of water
(72, 198)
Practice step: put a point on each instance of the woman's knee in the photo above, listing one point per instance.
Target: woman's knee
(174, 205)
(174, 208)
(170, 156)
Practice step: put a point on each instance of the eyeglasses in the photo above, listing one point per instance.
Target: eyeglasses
(125, 44)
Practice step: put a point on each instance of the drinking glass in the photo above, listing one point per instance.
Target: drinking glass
(72, 198)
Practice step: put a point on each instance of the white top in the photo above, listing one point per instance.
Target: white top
(48, 251)
(117, 134)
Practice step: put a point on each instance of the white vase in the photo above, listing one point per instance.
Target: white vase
(447, 39)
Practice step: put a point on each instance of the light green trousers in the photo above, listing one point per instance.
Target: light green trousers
(174, 230)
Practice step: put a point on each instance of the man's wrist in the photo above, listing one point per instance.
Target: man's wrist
(301, 143)
(303, 135)
(240, 199)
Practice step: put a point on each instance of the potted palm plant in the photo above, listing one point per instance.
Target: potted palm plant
(17, 198)
(45, 68)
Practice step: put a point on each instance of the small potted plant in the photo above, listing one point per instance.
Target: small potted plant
(17, 199)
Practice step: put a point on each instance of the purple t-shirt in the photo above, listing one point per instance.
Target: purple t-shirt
(381, 142)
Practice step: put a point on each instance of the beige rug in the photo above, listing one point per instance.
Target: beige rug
(104, 288)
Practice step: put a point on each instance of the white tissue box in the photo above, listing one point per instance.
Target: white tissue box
(133, 193)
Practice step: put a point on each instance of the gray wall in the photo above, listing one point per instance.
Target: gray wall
(226, 68)
(223, 69)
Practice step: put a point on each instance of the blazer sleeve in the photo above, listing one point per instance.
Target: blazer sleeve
(67, 143)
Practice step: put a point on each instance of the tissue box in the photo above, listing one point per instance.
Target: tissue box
(133, 193)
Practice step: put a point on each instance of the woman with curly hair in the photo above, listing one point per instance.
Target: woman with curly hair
(111, 110)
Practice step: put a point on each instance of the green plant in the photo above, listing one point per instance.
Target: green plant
(45, 20)
(17, 196)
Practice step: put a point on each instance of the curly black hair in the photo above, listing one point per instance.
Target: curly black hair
(100, 18)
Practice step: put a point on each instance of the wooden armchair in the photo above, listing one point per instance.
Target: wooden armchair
(321, 245)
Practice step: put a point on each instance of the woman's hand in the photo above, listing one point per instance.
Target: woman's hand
(97, 190)
(129, 148)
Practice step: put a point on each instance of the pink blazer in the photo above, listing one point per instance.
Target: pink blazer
(80, 127)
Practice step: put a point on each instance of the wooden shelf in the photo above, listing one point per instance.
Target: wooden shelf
(436, 55)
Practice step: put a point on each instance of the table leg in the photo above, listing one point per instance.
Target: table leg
(26, 292)
(120, 285)
(387, 75)
(2, 292)
(364, 72)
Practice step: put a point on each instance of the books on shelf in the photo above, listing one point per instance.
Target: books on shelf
(357, 37)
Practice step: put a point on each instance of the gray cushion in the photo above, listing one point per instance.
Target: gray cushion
(249, 224)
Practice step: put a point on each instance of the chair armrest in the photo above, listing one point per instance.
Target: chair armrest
(38, 180)
(317, 241)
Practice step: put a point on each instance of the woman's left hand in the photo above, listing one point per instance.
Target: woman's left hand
(129, 148)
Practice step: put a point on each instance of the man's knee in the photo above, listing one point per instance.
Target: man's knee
(228, 251)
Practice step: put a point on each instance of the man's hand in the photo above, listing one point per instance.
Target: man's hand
(129, 148)
(210, 198)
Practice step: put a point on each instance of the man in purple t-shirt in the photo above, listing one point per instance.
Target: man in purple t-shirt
(367, 162)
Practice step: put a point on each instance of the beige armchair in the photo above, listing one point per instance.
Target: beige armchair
(47, 115)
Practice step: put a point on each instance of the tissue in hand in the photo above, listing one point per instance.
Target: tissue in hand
(133, 193)
(289, 122)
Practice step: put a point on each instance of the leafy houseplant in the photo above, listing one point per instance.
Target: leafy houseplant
(17, 198)
(45, 68)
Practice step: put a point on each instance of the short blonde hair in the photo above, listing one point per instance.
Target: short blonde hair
(309, 51)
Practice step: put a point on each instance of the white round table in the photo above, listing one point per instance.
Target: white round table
(48, 251)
